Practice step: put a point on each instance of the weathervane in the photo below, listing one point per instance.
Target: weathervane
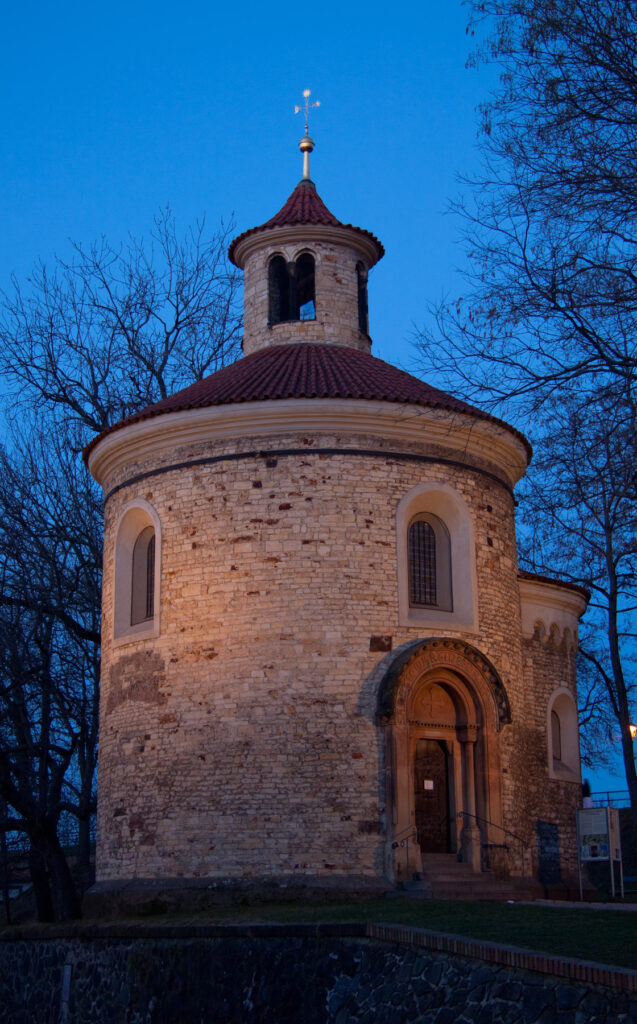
(306, 145)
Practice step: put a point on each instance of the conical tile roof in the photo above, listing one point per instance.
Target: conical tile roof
(306, 371)
(303, 206)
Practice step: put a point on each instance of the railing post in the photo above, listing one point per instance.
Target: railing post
(470, 838)
(401, 841)
(505, 831)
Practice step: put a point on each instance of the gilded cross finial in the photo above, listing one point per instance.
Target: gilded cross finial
(306, 145)
(307, 106)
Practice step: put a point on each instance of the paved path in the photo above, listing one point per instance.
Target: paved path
(579, 905)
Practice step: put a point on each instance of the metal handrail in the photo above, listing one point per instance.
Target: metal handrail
(401, 840)
(507, 832)
(403, 837)
(611, 798)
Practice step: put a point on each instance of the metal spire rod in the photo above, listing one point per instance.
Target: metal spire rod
(306, 145)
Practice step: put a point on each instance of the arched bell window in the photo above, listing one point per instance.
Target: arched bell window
(291, 289)
(429, 562)
(361, 283)
(305, 293)
(279, 290)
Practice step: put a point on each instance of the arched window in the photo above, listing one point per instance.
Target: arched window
(137, 559)
(291, 289)
(361, 282)
(436, 561)
(563, 737)
(556, 736)
(279, 290)
(305, 287)
(422, 563)
(143, 577)
(429, 563)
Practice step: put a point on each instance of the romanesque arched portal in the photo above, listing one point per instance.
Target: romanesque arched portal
(442, 705)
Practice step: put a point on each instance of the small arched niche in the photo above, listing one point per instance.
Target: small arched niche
(563, 737)
(137, 572)
(363, 310)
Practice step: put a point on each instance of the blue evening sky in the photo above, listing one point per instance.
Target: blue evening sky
(110, 112)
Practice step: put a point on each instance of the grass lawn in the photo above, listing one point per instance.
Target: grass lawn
(604, 936)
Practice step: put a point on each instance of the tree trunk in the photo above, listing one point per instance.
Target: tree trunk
(41, 886)
(5, 877)
(628, 751)
(84, 867)
(64, 902)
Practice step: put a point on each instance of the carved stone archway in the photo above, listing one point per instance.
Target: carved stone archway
(443, 693)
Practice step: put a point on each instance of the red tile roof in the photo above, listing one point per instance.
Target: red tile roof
(534, 577)
(304, 206)
(305, 371)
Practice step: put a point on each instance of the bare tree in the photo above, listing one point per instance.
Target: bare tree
(550, 223)
(578, 520)
(117, 328)
(546, 330)
(50, 563)
(82, 345)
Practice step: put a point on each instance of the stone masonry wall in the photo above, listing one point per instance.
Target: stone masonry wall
(336, 303)
(550, 662)
(309, 975)
(242, 740)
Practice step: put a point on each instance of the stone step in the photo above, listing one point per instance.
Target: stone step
(443, 876)
(469, 885)
(445, 865)
(453, 867)
(471, 889)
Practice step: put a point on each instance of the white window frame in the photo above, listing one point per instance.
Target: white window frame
(441, 501)
(442, 561)
(134, 517)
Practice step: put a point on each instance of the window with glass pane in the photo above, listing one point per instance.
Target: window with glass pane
(422, 563)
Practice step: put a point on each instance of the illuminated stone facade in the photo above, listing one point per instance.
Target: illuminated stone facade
(286, 712)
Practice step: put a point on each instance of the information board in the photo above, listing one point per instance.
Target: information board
(598, 839)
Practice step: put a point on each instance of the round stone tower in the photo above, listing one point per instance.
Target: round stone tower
(321, 665)
(305, 276)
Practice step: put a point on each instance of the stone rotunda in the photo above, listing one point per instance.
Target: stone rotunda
(321, 664)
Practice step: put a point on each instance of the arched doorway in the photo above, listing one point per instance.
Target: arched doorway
(442, 704)
(431, 796)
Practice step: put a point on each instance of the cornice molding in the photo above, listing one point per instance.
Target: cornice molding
(464, 437)
(270, 238)
(550, 603)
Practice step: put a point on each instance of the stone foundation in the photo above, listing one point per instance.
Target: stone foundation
(314, 974)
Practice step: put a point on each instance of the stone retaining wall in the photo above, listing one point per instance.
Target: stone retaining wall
(274, 974)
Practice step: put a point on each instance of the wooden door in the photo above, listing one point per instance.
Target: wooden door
(431, 792)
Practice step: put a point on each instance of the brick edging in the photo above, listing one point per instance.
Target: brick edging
(583, 971)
